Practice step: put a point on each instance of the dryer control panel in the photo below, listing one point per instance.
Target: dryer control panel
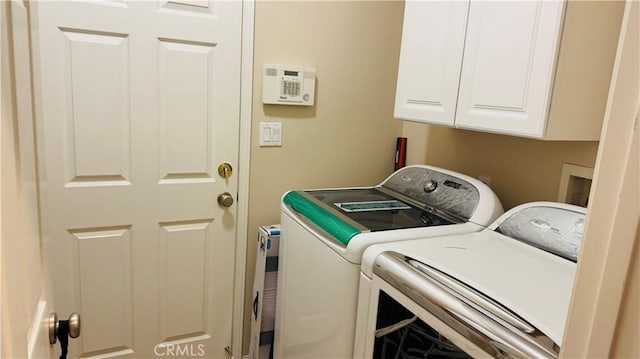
(558, 230)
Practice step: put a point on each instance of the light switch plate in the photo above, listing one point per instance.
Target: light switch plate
(270, 134)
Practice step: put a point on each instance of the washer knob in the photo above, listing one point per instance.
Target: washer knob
(430, 186)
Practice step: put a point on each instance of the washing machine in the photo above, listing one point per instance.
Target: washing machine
(325, 232)
(503, 292)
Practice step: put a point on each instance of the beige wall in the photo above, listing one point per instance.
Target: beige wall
(521, 169)
(626, 343)
(348, 137)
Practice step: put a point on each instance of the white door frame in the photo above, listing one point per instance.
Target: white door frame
(244, 159)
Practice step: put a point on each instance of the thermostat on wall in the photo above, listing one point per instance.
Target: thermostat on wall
(288, 85)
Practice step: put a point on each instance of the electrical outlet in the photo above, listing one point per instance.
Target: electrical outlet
(485, 179)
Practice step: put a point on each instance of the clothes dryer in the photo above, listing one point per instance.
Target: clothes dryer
(503, 292)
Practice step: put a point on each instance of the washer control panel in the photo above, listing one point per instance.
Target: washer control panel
(436, 189)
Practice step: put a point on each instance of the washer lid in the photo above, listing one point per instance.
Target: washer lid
(534, 284)
(346, 212)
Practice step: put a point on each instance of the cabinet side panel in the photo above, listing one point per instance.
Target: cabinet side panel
(587, 51)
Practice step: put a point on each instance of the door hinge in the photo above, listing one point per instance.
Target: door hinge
(227, 350)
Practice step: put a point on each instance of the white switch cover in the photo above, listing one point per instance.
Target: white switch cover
(270, 134)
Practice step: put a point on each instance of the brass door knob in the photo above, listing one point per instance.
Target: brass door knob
(225, 199)
(225, 170)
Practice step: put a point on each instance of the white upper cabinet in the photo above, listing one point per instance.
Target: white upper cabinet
(430, 60)
(508, 65)
(537, 69)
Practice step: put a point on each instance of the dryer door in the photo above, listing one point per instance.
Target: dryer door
(418, 313)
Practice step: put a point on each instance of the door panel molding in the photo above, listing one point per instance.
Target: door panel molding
(98, 254)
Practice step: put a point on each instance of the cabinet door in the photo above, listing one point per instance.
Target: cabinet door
(430, 60)
(508, 66)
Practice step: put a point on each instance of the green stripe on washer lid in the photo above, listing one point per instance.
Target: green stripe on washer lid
(326, 220)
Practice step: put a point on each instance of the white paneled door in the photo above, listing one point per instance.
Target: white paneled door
(137, 103)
